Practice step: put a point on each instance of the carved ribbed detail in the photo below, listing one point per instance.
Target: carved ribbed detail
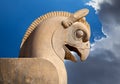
(41, 18)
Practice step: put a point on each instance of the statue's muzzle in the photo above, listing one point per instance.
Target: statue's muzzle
(83, 53)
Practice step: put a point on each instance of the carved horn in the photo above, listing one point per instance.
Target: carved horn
(75, 17)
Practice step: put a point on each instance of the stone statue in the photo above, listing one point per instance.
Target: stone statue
(47, 42)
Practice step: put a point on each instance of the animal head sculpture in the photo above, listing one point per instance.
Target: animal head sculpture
(51, 38)
(67, 32)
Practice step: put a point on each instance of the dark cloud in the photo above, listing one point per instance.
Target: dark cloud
(108, 11)
(99, 68)
(103, 64)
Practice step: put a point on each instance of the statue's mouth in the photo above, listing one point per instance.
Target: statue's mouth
(71, 48)
(81, 52)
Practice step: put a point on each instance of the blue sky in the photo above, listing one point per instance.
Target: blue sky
(16, 16)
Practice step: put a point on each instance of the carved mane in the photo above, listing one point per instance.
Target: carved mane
(43, 17)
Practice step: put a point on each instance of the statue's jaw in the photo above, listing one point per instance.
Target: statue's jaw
(68, 54)
(82, 53)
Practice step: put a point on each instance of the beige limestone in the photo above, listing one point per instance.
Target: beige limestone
(47, 42)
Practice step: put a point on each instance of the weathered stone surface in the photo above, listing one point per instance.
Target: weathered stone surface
(47, 42)
(27, 71)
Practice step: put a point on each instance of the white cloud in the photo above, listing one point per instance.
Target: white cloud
(96, 3)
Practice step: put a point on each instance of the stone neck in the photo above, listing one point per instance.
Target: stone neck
(48, 41)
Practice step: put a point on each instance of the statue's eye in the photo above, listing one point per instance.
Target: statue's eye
(79, 33)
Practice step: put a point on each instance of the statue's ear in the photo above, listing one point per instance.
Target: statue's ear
(74, 17)
(68, 55)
